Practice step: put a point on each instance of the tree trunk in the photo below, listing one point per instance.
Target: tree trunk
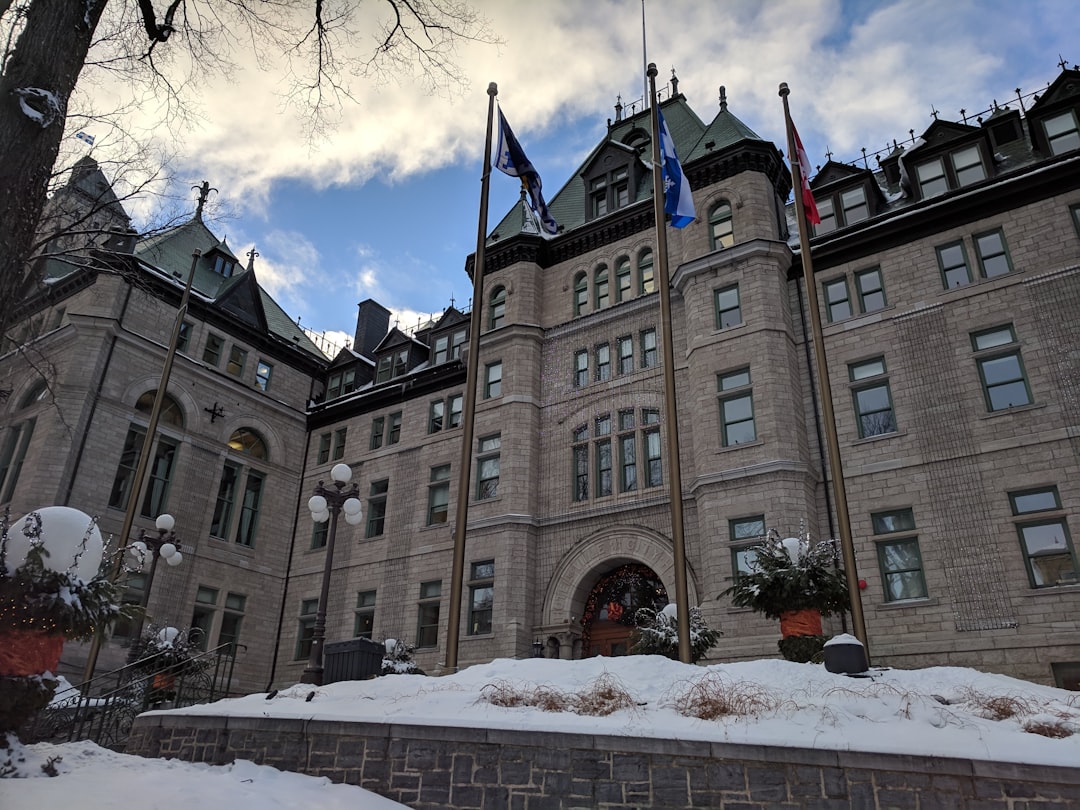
(49, 55)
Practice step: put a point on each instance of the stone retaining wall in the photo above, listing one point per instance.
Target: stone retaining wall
(427, 767)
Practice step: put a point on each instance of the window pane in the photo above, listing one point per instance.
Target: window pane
(1049, 553)
(735, 379)
(853, 202)
(932, 178)
(747, 527)
(1041, 501)
(993, 258)
(968, 165)
(871, 290)
(898, 521)
(953, 264)
(996, 337)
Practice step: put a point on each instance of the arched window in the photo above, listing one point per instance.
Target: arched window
(622, 280)
(34, 396)
(721, 234)
(171, 412)
(581, 293)
(601, 292)
(16, 441)
(247, 441)
(497, 308)
(646, 280)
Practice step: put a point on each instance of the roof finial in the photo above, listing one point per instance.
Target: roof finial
(618, 107)
(251, 254)
(674, 83)
(933, 112)
(1061, 62)
(723, 98)
(204, 192)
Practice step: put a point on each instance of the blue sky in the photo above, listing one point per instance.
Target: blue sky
(386, 205)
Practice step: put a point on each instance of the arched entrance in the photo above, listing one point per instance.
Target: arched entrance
(612, 605)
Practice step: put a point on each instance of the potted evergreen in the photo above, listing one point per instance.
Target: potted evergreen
(657, 633)
(796, 581)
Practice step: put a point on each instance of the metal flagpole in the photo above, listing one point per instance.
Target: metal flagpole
(671, 419)
(847, 547)
(461, 514)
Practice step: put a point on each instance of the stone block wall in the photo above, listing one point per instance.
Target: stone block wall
(427, 767)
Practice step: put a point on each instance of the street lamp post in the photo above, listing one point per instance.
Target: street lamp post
(165, 547)
(325, 505)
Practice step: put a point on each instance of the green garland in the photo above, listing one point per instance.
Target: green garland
(57, 603)
(778, 584)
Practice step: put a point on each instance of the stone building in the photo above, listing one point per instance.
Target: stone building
(948, 279)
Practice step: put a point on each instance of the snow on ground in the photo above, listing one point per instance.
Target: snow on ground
(940, 711)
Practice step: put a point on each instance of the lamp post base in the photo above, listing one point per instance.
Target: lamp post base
(312, 675)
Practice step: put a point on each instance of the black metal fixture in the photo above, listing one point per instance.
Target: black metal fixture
(165, 547)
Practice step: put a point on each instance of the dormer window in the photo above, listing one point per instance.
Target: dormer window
(610, 192)
(392, 365)
(1062, 132)
(853, 201)
(448, 347)
(224, 266)
(964, 167)
(839, 210)
(341, 383)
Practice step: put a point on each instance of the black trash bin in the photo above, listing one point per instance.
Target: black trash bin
(845, 655)
(352, 660)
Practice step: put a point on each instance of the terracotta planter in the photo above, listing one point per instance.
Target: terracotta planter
(28, 652)
(163, 681)
(806, 622)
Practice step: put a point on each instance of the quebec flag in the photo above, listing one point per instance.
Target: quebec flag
(85, 137)
(678, 201)
(510, 159)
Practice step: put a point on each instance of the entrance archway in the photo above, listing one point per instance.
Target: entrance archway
(612, 605)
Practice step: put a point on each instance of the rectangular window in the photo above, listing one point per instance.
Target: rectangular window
(14, 454)
(652, 468)
(952, 261)
(125, 470)
(932, 180)
(481, 597)
(743, 554)
(377, 425)
(231, 618)
(364, 621)
(728, 311)
(872, 398)
(456, 402)
(202, 616)
(581, 368)
(1044, 539)
(438, 495)
(627, 453)
(581, 463)
(376, 507)
(401, 363)
(827, 215)
(967, 163)
(160, 475)
(1001, 368)
(853, 201)
(602, 429)
(442, 350)
(626, 354)
(646, 274)
(249, 509)
(747, 528)
(899, 559)
(487, 468)
(992, 254)
(457, 340)
(427, 621)
(339, 444)
(837, 299)
(393, 432)
(319, 533)
(622, 281)
(492, 380)
(436, 413)
(648, 349)
(226, 500)
(382, 371)
(212, 350)
(263, 370)
(1062, 132)
(603, 362)
(736, 408)
(871, 290)
(333, 386)
(305, 630)
(324, 449)
(237, 360)
(1074, 212)
(183, 339)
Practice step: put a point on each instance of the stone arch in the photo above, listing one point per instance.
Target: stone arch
(188, 406)
(607, 548)
(275, 448)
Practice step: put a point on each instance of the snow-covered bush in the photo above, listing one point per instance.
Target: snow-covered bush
(398, 659)
(657, 633)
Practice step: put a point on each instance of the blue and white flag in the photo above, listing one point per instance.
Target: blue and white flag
(510, 159)
(678, 201)
(85, 137)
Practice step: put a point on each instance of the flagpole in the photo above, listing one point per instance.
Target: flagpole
(847, 546)
(644, 60)
(671, 421)
(461, 514)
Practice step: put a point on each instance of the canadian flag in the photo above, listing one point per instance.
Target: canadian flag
(809, 205)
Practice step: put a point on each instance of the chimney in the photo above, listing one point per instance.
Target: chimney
(372, 324)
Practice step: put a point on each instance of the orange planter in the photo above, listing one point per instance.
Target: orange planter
(28, 652)
(800, 623)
